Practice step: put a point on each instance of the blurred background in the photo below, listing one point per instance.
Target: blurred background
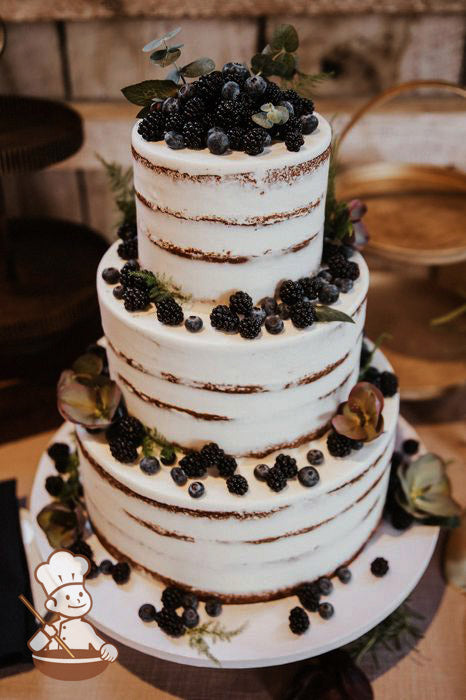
(83, 52)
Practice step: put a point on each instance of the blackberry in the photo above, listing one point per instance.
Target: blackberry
(111, 275)
(172, 598)
(303, 314)
(290, 292)
(209, 86)
(194, 109)
(275, 479)
(338, 265)
(325, 585)
(249, 328)
(126, 277)
(298, 620)
(136, 299)
(147, 612)
(194, 135)
(307, 105)
(311, 286)
(309, 596)
(152, 127)
(344, 574)
(293, 97)
(224, 319)
(388, 384)
(292, 124)
(128, 249)
(169, 312)
(329, 294)
(338, 445)
(353, 271)
(121, 572)
(170, 623)
(253, 142)
(330, 249)
(399, 517)
(326, 611)
(372, 375)
(226, 465)
(123, 450)
(287, 465)
(228, 114)
(410, 447)
(81, 547)
(211, 454)
(236, 138)
(127, 231)
(58, 451)
(379, 567)
(192, 465)
(130, 429)
(174, 122)
(213, 607)
(241, 303)
(273, 93)
(196, 489)
(237, 484)
(315, 457)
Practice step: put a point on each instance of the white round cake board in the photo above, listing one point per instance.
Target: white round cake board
(267, 639)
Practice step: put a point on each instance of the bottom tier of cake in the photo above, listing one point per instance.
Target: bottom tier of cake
(254, 547)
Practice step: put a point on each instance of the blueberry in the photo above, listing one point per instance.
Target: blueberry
(308, 476)
(274, 324)
(178, 475)
(147, 612)
(329, 294)
(168, 456)
(236, 70)
(258, 314)
(230, 90)
(283, 311)
(93, 571)
(261, 472)
(106, 566)
(187, 91)
(348, 251)
(190, 618)
(289, 107)
(410, 447)
(344, 574)
(267, 139)
(190, 601)
(174, 141)
(213, 129)
(326, 610)
(309, 123)
(326, 275)
(357, 445)
(118, 291)
(218, 143)
(171, 105)
(196, 489)
(193, 324)
(255, 85)
(325, 585)
(149, 465)
(111, 275)
(213, 607)
(54, 485)
(269, 305)
(156, 106)
(344, 285)
(315, 457)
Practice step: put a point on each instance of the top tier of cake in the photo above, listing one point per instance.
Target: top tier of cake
(216, 224)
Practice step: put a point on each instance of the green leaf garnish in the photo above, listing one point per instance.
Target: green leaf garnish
(143, 93)
(89, 364)
(155, 43)
(165, 57)
(195, 69)
(216, 632)
(285, 37)
(121, 184)
(326, 314)
(154, 441)
(160, 286)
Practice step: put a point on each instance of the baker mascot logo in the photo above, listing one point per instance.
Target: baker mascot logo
(69, 647)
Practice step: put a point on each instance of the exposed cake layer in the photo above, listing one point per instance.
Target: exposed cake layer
(220, 223)
(250, 396)
(240, 547)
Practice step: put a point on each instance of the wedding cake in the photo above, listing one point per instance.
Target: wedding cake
(243, 368)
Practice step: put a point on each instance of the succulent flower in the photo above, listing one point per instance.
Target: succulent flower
(360, 418)
(426, 492)
(360, 235)
(86, 396)
(271, 115)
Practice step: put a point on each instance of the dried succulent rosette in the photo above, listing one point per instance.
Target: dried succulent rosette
(85, 395)
(360, 418)
(426, 492)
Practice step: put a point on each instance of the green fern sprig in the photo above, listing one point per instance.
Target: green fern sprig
(161, 286)
(121, 184)
(216, 632)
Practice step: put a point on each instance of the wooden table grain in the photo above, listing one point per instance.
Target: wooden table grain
(434, 670)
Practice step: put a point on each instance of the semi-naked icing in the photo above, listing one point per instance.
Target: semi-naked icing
(215, 225)
(222, 223)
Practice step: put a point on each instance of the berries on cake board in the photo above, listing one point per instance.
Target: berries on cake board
(128, 249)
(170, 623)
(308, 476)
(338, 445)
(379, 567)
(298, 620)
(149, 465)
(172, 598)
(303, 314)
(309, 596)
(290, 292)
(224, 319)
(169, 312)
(343, 574)
(196, 489)
(261, 472)
(123, 450)
(249, 328)
(121, 572)
(213, 607)
(179, 476)
(276, 479)
(135, 299)
(193, 324)
(147, 612)
(326, 610)
(237, 484)
(274, 325)
(241, 303)
(111, 275)
(226, 465)
(315, 457)
(287, 465)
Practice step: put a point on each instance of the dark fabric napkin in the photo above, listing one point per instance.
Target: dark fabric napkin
(17, 624)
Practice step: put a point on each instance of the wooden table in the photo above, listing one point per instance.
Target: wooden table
(434, 671)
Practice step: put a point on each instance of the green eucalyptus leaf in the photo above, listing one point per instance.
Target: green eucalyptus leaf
(88, 364)
(278, 115)
(262, 63)
(284, 65)
(158, 55)
(285, 37)
(200, 66)
(165, 58)
(261, 119)
(326, 314)
(143, 93)
(155, 43)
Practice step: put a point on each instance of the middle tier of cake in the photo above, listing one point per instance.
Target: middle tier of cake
(252, 397)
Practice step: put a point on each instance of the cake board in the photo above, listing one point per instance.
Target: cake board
(266, 639)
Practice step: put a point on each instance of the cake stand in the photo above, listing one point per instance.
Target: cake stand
(266, 639)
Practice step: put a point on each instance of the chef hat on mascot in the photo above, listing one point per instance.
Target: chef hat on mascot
(62, 568)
